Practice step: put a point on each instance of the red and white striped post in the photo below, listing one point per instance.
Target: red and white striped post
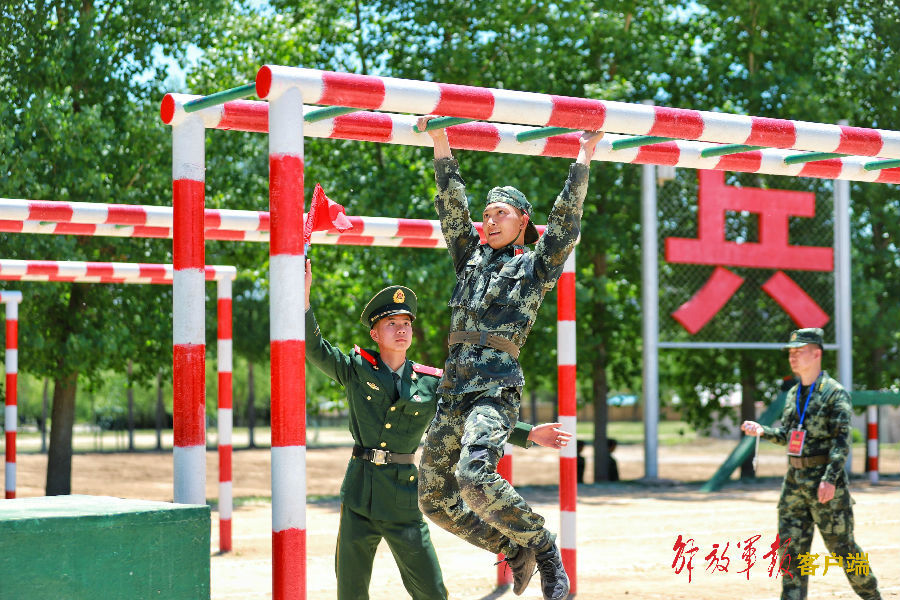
(287, 271)
(11, 300)
(505, 470)
(872, 442)
(189, 302)
(568, 457)
(225, 416)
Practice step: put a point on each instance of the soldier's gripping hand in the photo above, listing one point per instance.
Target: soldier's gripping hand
(752, 428)
(438, 137)
(587, 142)
(549, 435)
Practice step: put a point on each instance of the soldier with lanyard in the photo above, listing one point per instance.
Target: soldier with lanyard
(498, 291)
(392, 400)
(816, 428)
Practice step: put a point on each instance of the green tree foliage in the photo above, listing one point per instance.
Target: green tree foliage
(79, 82)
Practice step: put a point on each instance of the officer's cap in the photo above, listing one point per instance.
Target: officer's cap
(394, 300)
(514, 197)
(802, 337)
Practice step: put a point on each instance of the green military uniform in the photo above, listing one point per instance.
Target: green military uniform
(498, 293)
(825, 413)
(379, 500)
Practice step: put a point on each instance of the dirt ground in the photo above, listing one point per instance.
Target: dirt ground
(626, 531)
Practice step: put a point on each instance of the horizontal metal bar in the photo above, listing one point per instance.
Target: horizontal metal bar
(876, 165)
(327, 113)
(220, 97)
(811, 157)
(542, 132)
(728, 346)
(728, 149)
(641, 140)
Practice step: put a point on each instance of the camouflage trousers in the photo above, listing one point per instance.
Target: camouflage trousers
(798, 510)
(459, 487)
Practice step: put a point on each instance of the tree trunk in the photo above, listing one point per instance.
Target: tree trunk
(65, 385)
(59, 458)
(160, 411)
(600, 386)
(44, 416)
(748, 404)
(251, 405)
(534, 409)
(130, 392)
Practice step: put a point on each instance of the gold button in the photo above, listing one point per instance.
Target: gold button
(388, 426)
(393, 408)
(368, 397)
(383, 444)
(412, 477)
(416, 413)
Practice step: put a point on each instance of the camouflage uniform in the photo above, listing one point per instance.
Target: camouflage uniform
(497, 291)
(827, 425)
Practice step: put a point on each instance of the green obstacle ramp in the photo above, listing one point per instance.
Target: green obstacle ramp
(744, 447)
(101, 548)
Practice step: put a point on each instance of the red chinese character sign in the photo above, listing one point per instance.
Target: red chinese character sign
(769, 215)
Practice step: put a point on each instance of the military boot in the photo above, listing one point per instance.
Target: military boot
(522, 565)
(554, 581)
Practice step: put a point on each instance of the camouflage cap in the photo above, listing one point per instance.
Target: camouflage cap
(802, 337)
(514, 197)
(393, 300)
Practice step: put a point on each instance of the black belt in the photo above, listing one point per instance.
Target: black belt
(801, 462)
(383, 457)
(483, 338)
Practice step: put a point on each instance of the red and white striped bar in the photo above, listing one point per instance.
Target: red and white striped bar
(287, 331)
(100, 272)
(11, 416)
(872, 442)
(225, 415)
(505, 470)
(245, 115)
(189, 304)
(367, 231)
(568, 457)
(506, 106)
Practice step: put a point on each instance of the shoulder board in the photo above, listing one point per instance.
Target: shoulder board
(365, 355)
(426, 370)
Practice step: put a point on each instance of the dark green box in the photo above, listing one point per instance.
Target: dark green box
(100, 548)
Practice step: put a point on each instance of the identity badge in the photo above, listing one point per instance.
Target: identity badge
(795, 445)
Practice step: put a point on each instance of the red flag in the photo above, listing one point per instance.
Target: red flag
(324, 214)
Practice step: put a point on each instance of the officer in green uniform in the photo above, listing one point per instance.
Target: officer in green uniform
(816, 428)
(499, 288)
(392, 400)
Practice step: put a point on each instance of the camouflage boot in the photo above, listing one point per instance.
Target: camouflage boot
(554, 581)
(522, 565)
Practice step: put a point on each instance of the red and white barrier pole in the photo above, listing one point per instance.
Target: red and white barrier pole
(287, 271)
(568, 457)
(505, 470)
(11, 300)
(78, 218)
(872, 442)
(189, 303)
(244, 115)
(390, 94)
(225, 417)
(99, 272)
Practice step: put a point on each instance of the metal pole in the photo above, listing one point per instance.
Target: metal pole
(843, 316)
(650, 304)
